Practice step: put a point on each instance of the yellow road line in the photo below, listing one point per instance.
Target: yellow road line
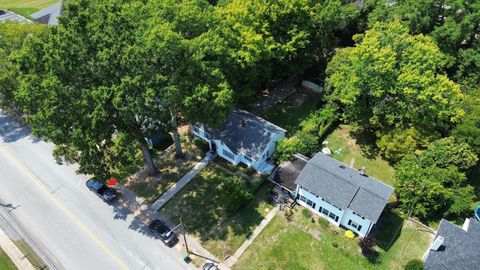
(35, 180)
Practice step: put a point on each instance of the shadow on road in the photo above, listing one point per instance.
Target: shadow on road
(11, 130)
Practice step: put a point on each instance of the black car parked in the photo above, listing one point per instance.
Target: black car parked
(168, 237)
(210, 266)
(107, 194)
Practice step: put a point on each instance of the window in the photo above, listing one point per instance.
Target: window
(320, 209)
(325, 212)
(248, 158)
(336, 219)
(303, 199)
(354, 224)
(195, 129)
(311, 204)
(332, 215)
(228, 154)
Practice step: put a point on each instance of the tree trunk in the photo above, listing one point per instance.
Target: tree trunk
(176, 136)
(152, 169)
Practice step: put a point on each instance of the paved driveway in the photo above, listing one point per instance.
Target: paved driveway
(53, 205)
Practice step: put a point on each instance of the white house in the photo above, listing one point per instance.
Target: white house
(243, 138)
(455, 247)
(341, 194)
(49, 15)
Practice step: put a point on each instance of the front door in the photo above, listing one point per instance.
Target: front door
(214, 147)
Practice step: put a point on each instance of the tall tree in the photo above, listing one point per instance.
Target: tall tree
(93, 89)
(392, 81)
(12, 36)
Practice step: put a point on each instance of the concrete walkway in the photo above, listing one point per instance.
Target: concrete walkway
(14, 253)
(233, 259)
(182, 182)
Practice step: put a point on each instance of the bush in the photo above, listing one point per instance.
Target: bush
(367, 244)
(234, 193)
(306, 141)
(289, 215)
(414, 265)
(306, 213)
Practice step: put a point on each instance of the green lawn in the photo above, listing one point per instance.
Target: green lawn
(289, 113)
(345, 147)
(26, 7)
(5, 262)
(204, 216)
(302, 244)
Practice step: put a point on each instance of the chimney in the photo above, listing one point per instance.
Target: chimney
(362, 171)
(437, 243)
(242, 122)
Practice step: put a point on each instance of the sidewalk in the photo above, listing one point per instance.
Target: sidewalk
(233, 259)
(14, 253)
(182, 182)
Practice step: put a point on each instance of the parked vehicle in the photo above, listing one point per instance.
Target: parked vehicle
(107, 194)
(210, 266)
(168, 237)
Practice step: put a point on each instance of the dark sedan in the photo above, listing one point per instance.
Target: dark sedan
(168, 237)
(107, 194)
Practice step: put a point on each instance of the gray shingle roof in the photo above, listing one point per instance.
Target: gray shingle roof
(345, 187)
(460, 249)
(11, 17)
(49, 15)
(246, 133)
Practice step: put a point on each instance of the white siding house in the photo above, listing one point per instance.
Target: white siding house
(342, 195)
(243, 138)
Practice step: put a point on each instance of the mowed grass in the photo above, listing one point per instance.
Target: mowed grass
(301, 244)
(201, 211)
(345, 147)
(26, 7)
(293, 110)
(5, 262)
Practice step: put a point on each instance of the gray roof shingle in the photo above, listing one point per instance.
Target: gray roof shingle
(49, 15)
(11, 17)
(460, 249)
(345, 187)
(246, 133)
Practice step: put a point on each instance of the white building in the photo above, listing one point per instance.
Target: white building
(243, 138)
(344, 196)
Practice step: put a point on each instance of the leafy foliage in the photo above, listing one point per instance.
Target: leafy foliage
(234, 193)
(392, 81)
(306, 141)
(434, 183)
(367, 245)
(415, 264)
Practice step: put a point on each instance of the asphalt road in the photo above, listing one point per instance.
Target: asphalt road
(53, 205)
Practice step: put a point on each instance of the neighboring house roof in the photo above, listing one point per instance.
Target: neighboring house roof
(246, 133)
(49, 15)
(12, 17)
(344, 187)
(460, 249)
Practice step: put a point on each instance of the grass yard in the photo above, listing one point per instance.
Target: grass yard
(26, 7)
(199, 206)
(289, 113)
(5, 262)
(302, 244)
(171, 170)
(344, 148)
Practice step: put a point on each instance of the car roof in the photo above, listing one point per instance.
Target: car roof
(158, 226)
(94, 184)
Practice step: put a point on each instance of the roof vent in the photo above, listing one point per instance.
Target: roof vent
(362, 171)
(437, 243)
(242, 122)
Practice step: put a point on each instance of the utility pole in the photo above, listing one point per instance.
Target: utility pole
(184, 237)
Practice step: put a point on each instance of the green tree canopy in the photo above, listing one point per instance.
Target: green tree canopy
(392, 80)
(428, 187)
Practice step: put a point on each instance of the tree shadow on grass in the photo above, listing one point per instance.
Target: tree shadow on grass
(388, 230)
(366, 139)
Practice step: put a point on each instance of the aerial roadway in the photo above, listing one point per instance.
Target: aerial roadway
(74, 228)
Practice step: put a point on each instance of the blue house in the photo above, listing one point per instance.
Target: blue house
(243, 138)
